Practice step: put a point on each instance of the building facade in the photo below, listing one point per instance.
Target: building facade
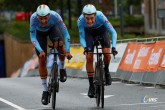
(154, 17)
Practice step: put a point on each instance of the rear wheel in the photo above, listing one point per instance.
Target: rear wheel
(54, 84)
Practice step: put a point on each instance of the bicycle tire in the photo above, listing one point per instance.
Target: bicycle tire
(54, 84)
(97, 85)
(102, 85)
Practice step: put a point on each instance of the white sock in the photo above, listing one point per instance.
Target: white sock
(44, 84)
(61, 65)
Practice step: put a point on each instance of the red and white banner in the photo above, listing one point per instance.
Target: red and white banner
(162, 65)
(144, 57)
(141, 60)
(130, 56)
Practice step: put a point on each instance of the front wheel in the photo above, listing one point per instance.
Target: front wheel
(54, 84)
(102, 95)
(102, 77)
(98, 95)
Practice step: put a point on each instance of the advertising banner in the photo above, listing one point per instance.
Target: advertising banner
(140, 64)
(162, 65)
(115, 62)
(130, 56)
(156, 57)
(78, 59)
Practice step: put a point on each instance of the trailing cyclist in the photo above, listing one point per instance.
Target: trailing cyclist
(45, 22)
(92, 23)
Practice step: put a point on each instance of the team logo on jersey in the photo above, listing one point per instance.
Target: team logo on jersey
(110, 26)
(106, 21)
(79, 19)
(34, 43)
(68, 40)
(101, 16)
(61, 21)
(63, 28)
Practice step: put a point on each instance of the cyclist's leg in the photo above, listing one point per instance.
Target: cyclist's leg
(42, 39)
(107, 57)
(89, 63)
(90, 73)
(55, 35)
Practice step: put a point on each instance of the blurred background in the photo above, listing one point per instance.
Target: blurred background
(131, 19)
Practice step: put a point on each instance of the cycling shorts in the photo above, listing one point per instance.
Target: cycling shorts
(91, 33)
(53, 33)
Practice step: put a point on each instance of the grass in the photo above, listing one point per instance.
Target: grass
(19, 30)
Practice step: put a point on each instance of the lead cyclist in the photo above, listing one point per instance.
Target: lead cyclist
(45, 22)
(92, 23)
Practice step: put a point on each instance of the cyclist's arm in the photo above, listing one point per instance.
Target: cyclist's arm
(33, 34)
(110, 29)
(81, 33)
(64, 31)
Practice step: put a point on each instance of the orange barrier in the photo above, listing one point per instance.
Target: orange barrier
(129, 57)
(141, 60)
(156, 56)
(143, 57)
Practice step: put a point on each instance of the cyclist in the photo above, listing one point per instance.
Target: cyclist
(45, 22)
(92, 23)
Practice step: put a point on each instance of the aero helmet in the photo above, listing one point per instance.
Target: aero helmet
(43, 10)
(89, 9)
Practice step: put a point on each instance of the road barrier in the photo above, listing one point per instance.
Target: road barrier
(143, 63)
(136, 62)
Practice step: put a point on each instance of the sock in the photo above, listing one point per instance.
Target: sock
(44, 84)
(90, 80)
(61, 66)
(106, 67)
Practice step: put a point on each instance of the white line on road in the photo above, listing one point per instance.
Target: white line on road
(116, 82)
(11, 104)
(105, 96)
(149, 87)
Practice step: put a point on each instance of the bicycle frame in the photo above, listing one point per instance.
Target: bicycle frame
(99, 77)
(53, 84)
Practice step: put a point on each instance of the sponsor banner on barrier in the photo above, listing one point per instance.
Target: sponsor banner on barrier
(115, 62)
(156, 57)
(129, 56)
(140, 63)
(144, 57)
(78, 59)
(162, 65)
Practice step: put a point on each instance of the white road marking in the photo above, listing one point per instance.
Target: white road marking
(105, 96)
(149, 87)
(131, 84)
(11, 104)
(116, 82)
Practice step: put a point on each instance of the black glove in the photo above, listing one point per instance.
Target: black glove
(86, 50)
(114, 52)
